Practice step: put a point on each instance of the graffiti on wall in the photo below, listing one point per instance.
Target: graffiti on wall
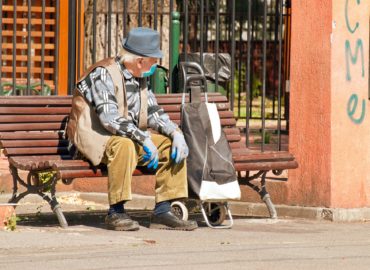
(355, 111)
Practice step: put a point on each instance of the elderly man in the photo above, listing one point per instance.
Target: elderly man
(111, 110)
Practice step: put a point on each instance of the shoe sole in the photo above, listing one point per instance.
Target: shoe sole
(133, 227)
(165, 227)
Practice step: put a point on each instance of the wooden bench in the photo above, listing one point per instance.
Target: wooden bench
(32, 135)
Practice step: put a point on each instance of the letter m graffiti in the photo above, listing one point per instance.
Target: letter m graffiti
(353, 57)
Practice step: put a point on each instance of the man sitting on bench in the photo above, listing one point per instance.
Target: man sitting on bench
(111, 110)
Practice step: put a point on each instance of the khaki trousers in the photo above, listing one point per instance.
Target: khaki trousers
(122, 155)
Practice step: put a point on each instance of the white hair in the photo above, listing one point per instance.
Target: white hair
(127, 56)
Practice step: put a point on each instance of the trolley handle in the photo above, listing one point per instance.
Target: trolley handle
(193, 77)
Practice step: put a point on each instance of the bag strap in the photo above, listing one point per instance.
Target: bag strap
(195, 94)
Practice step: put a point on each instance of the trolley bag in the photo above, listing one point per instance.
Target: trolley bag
(210, 168)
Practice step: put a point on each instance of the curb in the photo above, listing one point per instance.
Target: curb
(242, 209)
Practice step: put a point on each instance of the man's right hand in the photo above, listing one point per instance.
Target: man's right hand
(151, 153)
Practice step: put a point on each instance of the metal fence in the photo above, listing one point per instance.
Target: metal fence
(255, 33)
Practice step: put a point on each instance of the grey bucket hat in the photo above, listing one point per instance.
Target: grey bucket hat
(143, 41)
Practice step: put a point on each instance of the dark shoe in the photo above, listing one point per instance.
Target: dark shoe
(120, 222)
(168, 221)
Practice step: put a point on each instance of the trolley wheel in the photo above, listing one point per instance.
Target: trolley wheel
(179, 210)
(216, 212)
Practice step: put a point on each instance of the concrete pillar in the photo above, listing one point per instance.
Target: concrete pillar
(330, 107)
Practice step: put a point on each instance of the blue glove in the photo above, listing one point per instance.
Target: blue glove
(179, 150)
(151, 153)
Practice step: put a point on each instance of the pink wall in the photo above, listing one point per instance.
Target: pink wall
(310, 99)
(350, 106)
(330, 121)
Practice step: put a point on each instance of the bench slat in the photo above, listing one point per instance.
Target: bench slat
(31, 135)
(224, 122)
(71, 174)
(177, 107)
(71, 164)
(33, 126)
(250, 155)
(34, 110)
(26, 162)
(266, 166)
(36, 100)
(67, 100)
(222, 114)
(34, 143)
(178, 100)
(32, 118)
(39, 150)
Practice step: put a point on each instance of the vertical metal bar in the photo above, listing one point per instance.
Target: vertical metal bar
(170, 58)
(161, 27)
(281, 11)
(276, 36)
(57, 22)
(206, 32)
(43, 47)
(78, 52)
(239, 64)
(94, 33)
(140, 13)
(233, 57)
(71, 45)
(29, 16)
(253, 49)
(1, 44)
(185, 30)
(155, 14)
(201, 35)
(217, 49)
(124, 18)
(263, 101)
(117, 24)
(248, 71)
(14, 44)
(109, 18)
(194, 17)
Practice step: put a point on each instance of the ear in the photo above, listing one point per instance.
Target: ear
(139, 62)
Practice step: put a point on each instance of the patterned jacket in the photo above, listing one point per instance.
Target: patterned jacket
(98, 90)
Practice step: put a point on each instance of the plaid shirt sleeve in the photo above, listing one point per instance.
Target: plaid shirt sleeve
(157, 118)
(98, 89)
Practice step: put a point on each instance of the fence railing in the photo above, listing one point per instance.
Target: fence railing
(254, 34)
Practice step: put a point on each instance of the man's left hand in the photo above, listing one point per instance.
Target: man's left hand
(180, 150)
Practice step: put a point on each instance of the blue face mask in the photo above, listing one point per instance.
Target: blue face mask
(150, 72)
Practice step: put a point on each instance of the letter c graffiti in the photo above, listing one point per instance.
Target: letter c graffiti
(352, 30)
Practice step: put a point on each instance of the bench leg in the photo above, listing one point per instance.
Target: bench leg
(55, 207)
(36, 188)
(16, 179)
(265, 196)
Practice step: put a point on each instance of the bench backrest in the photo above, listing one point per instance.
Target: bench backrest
(34, 125)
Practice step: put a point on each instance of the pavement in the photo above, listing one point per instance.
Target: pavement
(254, 242)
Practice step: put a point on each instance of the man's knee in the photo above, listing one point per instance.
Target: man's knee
(119, 146)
